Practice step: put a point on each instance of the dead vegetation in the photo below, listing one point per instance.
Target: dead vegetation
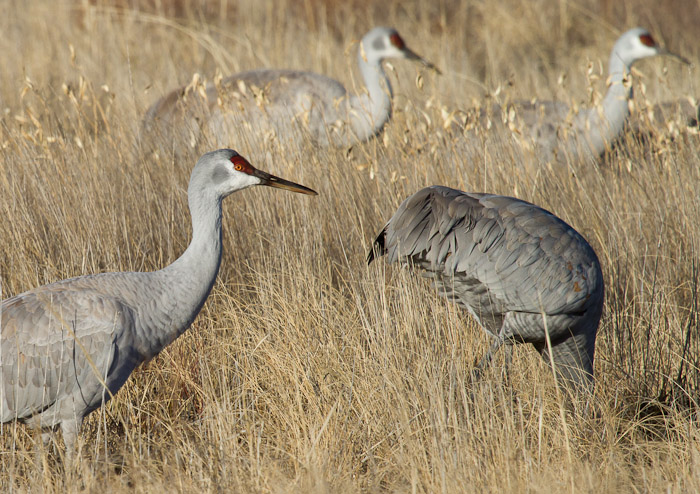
(307, 371)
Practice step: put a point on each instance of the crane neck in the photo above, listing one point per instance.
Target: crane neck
(186, 283)
(606, 122)
(616, 101)
(370, 111)
(203, 255)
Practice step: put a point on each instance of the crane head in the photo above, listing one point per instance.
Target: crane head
(386, 42)
(637, 44)
(225, 171)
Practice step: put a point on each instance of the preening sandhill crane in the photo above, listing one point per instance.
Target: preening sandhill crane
(285, 101)
(555, 132)
(518, 269)
(67, 347)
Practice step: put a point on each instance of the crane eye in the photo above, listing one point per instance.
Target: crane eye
(240, 164)
(647, 40)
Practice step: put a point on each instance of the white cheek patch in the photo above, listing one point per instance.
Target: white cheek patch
(243, 181)
(253, 180)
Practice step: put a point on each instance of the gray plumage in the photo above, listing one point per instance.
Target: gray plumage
(557, 132)
(284, 102)
(514, 266)
(67, 347)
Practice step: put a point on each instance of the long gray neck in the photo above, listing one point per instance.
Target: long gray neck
(370, 111)
(607, 121)
(183, 287)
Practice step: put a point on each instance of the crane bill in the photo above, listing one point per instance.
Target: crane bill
(280, 183)
(411, 55)
(680, 58)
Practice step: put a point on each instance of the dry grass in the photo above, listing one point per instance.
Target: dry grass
(307, 371)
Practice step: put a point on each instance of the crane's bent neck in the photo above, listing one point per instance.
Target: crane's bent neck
(186, 283)
(370, 111)
(202, 257)
(606, 122)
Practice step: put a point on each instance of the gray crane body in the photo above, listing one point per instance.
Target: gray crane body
(288, 103)
(67, 347)
(518, 269)
(293, 103)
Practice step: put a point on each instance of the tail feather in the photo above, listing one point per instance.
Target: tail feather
(378, 249)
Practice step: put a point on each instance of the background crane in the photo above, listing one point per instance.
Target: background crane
(285, 101)
(557, 132)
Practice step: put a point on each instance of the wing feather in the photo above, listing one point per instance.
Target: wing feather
(57, 341)
(507, 254)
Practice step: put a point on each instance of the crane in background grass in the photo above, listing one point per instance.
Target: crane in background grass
(558, 133)
(283, 102)
(68, 347)
(523, 273)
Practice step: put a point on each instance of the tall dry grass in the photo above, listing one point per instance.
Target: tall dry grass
(307, 371)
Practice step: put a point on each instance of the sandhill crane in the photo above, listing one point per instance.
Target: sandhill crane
(285, 101)
(518, 269)
(556, 132)
(68, 347)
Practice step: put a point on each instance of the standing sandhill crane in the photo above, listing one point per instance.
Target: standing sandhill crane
(553, 128)
(280, 101)
(68, 347)
(518, 269)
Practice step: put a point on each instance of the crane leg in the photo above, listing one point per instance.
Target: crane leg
(70, 428)
(503, 338)
(573, 360)
(572, 340)
(508, 361)
(486, 359)
(42, 450)
(46, 435)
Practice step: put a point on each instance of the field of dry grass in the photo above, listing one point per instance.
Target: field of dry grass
(307, 371)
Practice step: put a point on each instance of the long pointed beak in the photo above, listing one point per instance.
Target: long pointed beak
(664, 51)
(280, 183)
(411, 55)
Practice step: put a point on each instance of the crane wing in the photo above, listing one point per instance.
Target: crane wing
(57, 341)
(493, 254)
